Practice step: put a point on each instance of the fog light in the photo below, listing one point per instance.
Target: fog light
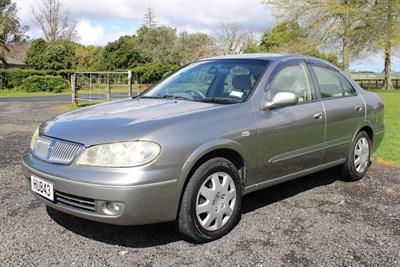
(113, 208)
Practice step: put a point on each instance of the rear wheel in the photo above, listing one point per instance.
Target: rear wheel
(358, 159)
(211, 201)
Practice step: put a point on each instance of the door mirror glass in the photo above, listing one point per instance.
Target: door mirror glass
(281, 99)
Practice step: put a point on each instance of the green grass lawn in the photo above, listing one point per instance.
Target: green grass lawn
(16, 93)
(389, 150)
(84, 91)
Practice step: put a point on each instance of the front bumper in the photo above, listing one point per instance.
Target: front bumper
(143, 203)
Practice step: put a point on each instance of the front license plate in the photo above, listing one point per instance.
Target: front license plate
(42, 187)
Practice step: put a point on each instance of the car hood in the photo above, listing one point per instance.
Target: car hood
(120, 120)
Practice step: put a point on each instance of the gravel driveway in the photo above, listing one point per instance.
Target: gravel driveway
(315, 220)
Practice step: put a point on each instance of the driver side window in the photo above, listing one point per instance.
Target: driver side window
(293, 78)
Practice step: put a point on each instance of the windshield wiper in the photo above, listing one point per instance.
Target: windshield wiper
(220, 100)
(167, 97)
(174, 97)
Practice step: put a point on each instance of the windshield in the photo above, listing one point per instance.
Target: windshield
(224, 81)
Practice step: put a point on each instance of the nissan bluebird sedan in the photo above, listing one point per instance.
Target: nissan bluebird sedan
(191, 146)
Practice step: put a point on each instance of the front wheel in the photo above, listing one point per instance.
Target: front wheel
(358, 159)
(211, 201)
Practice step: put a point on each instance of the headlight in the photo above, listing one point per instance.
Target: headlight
(34, 138)
(125, 154)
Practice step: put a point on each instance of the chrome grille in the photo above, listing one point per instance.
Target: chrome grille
(75, 201)
(56, 151)
(63, 152)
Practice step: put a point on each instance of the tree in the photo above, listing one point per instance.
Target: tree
(231, 38)
(157, 44)
(35, 55)
(289, 37)
(121, 54)
(3, 49)
(335, 24)
(88, 57)
(150, 18)
(11, 30)
(386, 22)
(60, 55)
(52, 56)
(192, 47)
(53, 20)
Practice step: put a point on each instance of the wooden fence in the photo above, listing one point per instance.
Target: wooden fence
(376, 83)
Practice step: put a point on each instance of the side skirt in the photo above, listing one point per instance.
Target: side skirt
(292, 176)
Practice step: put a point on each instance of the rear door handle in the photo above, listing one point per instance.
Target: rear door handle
(317, 116)
(358, 108)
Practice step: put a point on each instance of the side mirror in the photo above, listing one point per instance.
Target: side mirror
(281, 99)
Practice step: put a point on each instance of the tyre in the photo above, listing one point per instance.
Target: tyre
(211, 201)
(358, 159)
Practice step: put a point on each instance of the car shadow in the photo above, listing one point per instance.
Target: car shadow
(165, 233)
(126, 236)
(279, 192)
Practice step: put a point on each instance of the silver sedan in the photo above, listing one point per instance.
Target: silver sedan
(189, 147)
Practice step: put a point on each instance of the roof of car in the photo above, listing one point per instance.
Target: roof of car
(262, 56)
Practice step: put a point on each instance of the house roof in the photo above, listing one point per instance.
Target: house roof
(16, 55)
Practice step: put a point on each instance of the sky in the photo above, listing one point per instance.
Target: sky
(102, 21)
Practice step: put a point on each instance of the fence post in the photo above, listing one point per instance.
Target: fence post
(74, 92)
(108, 88)
(130, 84)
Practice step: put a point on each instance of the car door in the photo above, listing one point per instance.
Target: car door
(344, 109)
(291, 138)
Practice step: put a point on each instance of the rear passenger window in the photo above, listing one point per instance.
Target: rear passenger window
(332, 83)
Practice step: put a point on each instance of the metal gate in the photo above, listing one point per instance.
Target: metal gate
(94, 87)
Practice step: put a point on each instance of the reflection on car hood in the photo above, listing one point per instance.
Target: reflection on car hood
(120, 120)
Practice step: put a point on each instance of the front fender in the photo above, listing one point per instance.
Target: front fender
(208, 147)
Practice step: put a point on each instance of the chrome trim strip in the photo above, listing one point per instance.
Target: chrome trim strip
(297, 153)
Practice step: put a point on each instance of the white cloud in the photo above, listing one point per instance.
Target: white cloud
(190, 15)
(96, 34)
(89, 34)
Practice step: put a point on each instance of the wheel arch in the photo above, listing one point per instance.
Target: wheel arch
(368, 129)
(228, 149)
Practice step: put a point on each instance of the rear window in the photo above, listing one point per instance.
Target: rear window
(332, 83)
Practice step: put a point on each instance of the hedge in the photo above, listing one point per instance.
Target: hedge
(43, 83)
(13, 78)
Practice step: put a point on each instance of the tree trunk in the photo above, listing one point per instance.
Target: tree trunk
(388, 46)
(388, 66)
(345, 52)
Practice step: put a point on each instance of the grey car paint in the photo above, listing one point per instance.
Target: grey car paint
(275, 145)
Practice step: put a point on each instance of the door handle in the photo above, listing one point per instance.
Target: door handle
(317, 116)
(358, 108)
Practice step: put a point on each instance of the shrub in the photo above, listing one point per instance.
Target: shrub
(45, 83)
(13, 78)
